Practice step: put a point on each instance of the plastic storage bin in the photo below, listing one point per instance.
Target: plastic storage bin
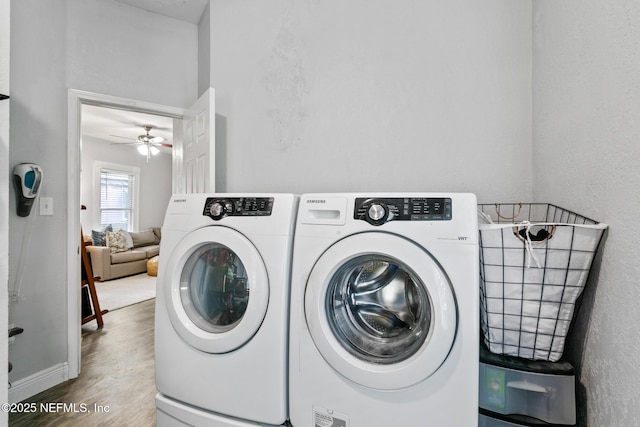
(541, 390)
(534, 262)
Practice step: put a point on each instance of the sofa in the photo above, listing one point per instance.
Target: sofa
(122, 253)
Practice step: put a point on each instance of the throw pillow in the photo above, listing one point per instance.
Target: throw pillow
(99, 236)
(158, 232)
(116, 241)
(128, 238)
(143, 238)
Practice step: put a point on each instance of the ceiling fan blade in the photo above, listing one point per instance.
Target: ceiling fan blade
(161, 144)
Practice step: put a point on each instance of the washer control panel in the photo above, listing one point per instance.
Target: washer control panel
(218, 208)
(377, 211)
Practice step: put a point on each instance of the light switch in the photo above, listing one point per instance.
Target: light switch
(46, 205)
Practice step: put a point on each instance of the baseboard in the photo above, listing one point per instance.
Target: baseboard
(38, 382)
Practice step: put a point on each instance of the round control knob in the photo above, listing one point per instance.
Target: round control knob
(217, 210)
(376, 214)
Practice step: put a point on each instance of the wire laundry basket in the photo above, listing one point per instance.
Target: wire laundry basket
(534, 262)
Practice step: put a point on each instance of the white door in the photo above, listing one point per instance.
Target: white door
(194, 148)
(217, 291)
(380, 310)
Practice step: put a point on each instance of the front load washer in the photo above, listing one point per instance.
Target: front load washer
(221, 329)
(384, 311)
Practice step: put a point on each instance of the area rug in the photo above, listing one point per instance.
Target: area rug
(115, 294)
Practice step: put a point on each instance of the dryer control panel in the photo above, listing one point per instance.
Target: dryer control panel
(218, 208)
(377, 211)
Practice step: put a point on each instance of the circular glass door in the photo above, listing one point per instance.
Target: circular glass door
(216, 288)
(380, 310)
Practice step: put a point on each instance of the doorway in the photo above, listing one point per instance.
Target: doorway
(76, 100)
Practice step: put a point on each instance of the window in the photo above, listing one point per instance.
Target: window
(117, 190)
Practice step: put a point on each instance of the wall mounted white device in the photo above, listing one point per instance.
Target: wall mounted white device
(27, 178)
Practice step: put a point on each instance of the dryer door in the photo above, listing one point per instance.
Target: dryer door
(380, 310)
(216, 289)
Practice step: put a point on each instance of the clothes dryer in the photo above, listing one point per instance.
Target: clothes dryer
(222, 299)
(384, 311)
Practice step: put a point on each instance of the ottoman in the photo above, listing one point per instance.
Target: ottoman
(152, 266)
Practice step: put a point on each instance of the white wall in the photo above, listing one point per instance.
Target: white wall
(586, 150)
(94, 45)
(4, 197)
(375, 95)
(204, 51)
(155, 181)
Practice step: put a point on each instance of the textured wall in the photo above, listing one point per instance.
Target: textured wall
(586, 89)
(366, 95)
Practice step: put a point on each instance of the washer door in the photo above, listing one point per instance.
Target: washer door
(216, 289)
(380, 310)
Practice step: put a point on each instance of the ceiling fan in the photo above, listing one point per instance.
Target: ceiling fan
(147, 144)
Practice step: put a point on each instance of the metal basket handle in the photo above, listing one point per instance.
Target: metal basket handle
(508, 217)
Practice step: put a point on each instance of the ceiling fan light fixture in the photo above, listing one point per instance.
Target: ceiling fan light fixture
(148, 137)
(147, 144)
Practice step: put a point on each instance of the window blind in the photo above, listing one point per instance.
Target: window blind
(116, 199)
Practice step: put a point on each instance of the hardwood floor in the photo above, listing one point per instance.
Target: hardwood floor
(116, 386)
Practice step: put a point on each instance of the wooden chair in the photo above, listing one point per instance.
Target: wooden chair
(88, 280)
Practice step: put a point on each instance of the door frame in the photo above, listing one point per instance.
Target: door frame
(77, 98)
